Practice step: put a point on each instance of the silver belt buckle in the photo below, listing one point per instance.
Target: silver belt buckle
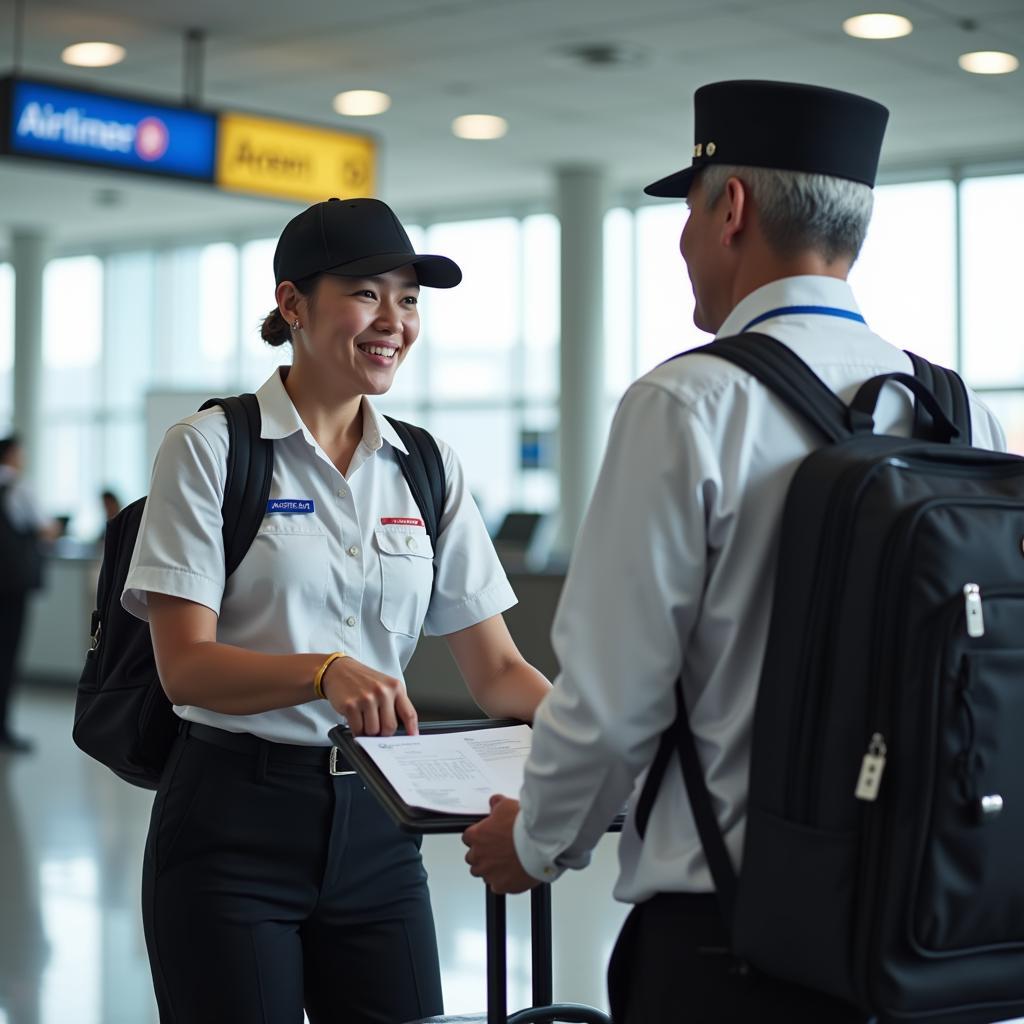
(333, 764)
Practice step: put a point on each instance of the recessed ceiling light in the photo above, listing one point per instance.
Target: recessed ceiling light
(988, 62)
(361, 102)
(479, 126)
(878, 26)
(93, 55)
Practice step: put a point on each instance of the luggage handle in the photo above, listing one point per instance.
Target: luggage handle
(861, 411)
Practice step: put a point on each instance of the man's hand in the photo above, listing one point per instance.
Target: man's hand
(492, 853)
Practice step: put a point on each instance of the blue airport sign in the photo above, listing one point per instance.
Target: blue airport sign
(56, 122)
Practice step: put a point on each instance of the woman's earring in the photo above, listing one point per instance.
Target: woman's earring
(296, 326)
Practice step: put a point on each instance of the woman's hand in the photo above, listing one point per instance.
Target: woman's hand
(372, 702)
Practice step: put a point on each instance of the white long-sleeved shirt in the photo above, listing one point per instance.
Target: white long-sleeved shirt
(673, 574)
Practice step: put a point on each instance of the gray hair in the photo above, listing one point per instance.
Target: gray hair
(800, 211)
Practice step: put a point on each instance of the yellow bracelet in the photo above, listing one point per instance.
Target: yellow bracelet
(318, 679)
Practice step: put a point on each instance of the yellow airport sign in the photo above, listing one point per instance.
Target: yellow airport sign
(293, 161)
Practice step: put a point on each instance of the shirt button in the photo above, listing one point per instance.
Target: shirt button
(548, 872)
(350, 621)
(411, 543)
(342, 492)
(353, 551)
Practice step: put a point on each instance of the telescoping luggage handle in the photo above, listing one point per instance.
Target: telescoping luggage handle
(543, 1011)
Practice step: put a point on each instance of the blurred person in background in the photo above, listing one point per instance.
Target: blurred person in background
(23, 529)
(111, 504)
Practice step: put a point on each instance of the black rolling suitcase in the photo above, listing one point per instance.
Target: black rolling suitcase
(543, 1011)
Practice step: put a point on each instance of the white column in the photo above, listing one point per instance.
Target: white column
(581, 208)
(28, 256)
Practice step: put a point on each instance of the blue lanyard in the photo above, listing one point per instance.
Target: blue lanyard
(844, 314)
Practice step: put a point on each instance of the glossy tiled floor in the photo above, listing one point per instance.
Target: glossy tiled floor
(71, 947)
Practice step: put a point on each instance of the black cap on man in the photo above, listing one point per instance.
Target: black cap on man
(782, 125)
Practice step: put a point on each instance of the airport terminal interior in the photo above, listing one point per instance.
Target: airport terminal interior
(514, 136)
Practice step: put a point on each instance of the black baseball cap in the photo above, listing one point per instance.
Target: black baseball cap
(783, 125)
(354, 238)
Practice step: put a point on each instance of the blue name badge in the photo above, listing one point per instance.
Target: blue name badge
(290, 506)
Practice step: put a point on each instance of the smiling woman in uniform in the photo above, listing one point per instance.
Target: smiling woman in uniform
(271, 885)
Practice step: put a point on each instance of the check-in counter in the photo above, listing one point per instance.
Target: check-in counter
(432, 677)
(59, 615)
(57, 634)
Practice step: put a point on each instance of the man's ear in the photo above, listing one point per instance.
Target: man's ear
(735, 200)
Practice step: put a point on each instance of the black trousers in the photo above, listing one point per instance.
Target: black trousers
(12, 629)
(269, 887)
(671, 965)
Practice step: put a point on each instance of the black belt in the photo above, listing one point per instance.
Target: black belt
(326, 759)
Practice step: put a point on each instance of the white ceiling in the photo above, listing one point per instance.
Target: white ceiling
(441, 58)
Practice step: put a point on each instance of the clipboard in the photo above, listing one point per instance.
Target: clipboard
(412, 819)
(416, 820)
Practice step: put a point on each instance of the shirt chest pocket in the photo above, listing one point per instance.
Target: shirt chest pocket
(287, 558)
(407, 578)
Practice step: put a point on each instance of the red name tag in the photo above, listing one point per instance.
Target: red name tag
(398, 521)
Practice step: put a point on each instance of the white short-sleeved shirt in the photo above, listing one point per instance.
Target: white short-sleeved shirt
(673, 575)
(345, 565)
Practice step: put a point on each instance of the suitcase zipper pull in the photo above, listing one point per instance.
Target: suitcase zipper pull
(972, 610)
(871, 769)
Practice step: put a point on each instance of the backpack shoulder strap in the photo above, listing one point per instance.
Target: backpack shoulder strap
(423, 469)
(249, 471)
(951, 393)
(678, 739)
(784, 373)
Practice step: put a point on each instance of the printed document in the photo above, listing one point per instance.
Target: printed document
(453, 772)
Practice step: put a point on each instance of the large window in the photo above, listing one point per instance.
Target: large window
(72, 448)
(6, 347)
(257, 359)
(619, 302)
(485, 372)
(992, 228)
(484, 375)
(664, 297)
(905, 279)
(992, 224)
(474, 328)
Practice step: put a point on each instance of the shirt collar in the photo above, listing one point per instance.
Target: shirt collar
(277, 412)
(376, 425)
(806, 290)
(281, 419)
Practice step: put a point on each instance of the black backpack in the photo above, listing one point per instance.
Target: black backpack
(885, 823)
(122, 715)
